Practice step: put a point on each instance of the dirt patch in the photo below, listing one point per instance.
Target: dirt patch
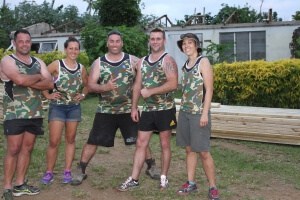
(111, 166)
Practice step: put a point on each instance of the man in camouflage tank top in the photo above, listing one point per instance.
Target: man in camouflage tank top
(157, 77)
(24, 78)
(112, 77)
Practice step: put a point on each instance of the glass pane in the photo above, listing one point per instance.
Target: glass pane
(227, 47)
(258, 45)
(242, 46)
(46, 47)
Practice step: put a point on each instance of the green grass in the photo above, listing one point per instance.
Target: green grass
(251, 166)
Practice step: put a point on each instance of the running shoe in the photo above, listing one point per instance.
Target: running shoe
(164, 183)
(25, 189)
(67, 177)
(47, 178)
(213, 194)
(7, 195)
(187, 188)
(128, 185)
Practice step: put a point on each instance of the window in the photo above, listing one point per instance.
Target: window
(242, 46)
(42, 47)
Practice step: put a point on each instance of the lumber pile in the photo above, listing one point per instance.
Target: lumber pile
(273, 125)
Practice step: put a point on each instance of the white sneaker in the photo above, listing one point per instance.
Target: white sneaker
(164, 183)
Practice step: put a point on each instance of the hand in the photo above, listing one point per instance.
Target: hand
(79, 97)
(54, 96)
(135, 115)
(145, 92)
(203, 120)
(111, 84)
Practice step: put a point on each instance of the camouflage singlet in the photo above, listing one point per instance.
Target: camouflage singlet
(192, 89)
(68, 83)
(22, 102)
(153, 75)
(116, 101)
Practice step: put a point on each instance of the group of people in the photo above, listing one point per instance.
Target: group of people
(120, 79)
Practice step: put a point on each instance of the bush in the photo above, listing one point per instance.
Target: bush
(258, 83)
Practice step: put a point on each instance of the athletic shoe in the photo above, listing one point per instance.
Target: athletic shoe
(25, 189)
(47, 178)
(187, 188)
(213, 194)
(7, 195)
(128, 185)
(164, 183)
(153, 172)
(67, 178)
(78, 177)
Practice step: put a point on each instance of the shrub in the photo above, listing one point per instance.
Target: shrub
(258, 83)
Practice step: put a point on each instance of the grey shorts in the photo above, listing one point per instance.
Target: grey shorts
(189, 132)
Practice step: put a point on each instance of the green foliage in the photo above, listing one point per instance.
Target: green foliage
(295, 44)
(118, 12)
(217, 53)
(296, 16)
(258, 83)
(94, 40)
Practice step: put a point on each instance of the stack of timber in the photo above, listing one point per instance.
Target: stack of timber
(272, 125)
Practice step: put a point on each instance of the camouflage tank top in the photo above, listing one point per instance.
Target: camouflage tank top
(116, 101)
(153, 75)
(22, 102)
(193, 90)
(68, 83)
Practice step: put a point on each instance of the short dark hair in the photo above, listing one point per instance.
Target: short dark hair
(115, 32)
(21, 31)
(159, 30)
(71, 39)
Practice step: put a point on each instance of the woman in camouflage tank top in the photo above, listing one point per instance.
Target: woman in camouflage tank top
(194, 122)
(70, 81)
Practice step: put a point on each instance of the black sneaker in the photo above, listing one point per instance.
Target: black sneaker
(128, 184)
(25, 189)
(187, 188)
(7, 195)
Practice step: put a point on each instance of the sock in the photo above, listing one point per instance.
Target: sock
(192, 183)
(136, 180)
(149, 162)
(83, 166)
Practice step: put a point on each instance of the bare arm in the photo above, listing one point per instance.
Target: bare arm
(207, 74)
(10, 71)
(85, 90)
(93, 85)
(46, 83)
(136, 93)
(171, 71)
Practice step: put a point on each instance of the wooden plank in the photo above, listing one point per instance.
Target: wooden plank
(270, 138)
(257, 111)
(257, 119)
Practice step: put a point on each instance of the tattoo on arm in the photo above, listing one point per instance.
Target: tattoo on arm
(170, 66)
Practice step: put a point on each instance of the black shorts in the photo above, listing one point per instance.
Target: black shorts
(105, 127)
(19, 126)
(158, 120)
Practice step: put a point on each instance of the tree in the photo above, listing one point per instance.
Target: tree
(94, 40)
(118, 12)
(296, 16)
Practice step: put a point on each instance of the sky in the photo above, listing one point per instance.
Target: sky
(176, 9)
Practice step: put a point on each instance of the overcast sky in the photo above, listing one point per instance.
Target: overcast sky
(176, 9)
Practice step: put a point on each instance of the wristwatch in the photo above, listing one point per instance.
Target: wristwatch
(83, 95)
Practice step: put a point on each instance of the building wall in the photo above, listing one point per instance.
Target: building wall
(278, 37)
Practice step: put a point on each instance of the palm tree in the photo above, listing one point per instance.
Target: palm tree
(90, 6)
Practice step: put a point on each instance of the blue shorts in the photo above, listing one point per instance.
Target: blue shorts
(65, 113)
